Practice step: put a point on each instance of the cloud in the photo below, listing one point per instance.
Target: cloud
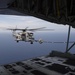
(29, 21)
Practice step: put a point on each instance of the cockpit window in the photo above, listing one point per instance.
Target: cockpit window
(23, 34)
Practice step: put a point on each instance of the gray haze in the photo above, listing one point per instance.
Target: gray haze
(10, 51)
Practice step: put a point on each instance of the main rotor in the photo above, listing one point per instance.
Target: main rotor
(26, 29)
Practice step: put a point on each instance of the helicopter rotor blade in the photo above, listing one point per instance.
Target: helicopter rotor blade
(41, 29)
(26, 29)
(46, 30)
(5, 28)
(35, 29)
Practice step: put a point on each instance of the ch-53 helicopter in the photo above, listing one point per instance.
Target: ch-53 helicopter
(26, 34)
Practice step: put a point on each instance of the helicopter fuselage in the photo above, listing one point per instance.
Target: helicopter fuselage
(24, 36)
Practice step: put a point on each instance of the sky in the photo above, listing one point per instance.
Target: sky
(11, 51)
(11, 21)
